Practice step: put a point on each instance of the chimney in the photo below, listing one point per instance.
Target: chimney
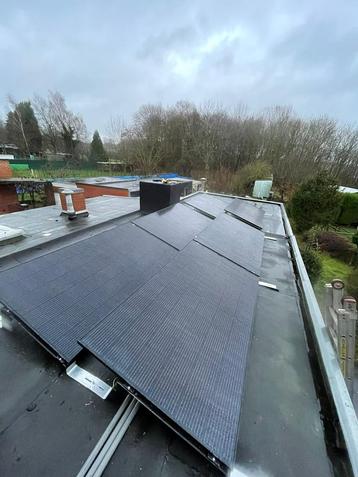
(5, 169)
(73, 203)
(156, 194)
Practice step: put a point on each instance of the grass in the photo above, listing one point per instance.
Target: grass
(346, 232)
(331, 268)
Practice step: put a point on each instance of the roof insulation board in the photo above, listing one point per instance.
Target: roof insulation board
(181, 342)
(210, 204)
(62, 295)
(247, 211)
(235, 240)
(177, 225)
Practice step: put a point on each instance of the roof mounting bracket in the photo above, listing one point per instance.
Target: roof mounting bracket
(5, 319)
(88, 380)
(271, 286)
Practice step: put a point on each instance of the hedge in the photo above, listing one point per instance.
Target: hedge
(349, 210)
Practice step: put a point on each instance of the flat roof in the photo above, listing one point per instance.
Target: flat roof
(281, 431)
(44, 224)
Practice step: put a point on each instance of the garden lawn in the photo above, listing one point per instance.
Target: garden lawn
(331, 268)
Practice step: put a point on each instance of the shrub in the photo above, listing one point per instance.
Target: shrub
(248, 174)
(349, 210)
(315, 202)
(336, 245)
(313, 263)
(352, 284)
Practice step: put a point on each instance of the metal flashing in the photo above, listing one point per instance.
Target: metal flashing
(271, 286)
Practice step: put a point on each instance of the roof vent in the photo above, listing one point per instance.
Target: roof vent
(9, 235)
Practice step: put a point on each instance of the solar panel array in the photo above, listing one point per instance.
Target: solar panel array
(62, 295)
(182, 341)
(247, 211)
(177, 225)
(167, 303)
(234, 240)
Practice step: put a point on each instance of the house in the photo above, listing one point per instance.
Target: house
(193, 339)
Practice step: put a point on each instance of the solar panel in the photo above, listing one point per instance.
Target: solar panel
(234, 240)
(212, 205)
(177, 225)
(181, 341)
(62, 295)
(247, 211)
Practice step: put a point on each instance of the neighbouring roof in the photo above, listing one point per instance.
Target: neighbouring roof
(348, 190)
(170, 303)
(44, 224)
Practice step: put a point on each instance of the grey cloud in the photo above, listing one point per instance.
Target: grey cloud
(108, 59)
(156, 45)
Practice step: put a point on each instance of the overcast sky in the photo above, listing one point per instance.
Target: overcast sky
(108, 58)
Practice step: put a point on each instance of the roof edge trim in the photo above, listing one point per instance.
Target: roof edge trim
(330, 369)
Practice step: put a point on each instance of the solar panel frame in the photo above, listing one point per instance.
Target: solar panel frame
(181, 341)
(234, 240)
(176, 225)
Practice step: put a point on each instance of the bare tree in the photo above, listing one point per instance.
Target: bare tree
(57, 121)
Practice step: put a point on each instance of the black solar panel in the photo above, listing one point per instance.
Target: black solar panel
(177, 225)
(182, 340)
(235, 240)
(212, 205)
(247, 211)
(62, 295)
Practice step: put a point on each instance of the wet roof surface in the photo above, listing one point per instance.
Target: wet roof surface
(280, 430)
(45, 223)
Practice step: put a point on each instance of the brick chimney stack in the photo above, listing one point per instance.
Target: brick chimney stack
(73, 203)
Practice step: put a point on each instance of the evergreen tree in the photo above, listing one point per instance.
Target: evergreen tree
(316, 202)
(22, 129)
(97, 152)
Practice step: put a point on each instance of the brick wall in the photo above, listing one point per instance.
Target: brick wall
(9, 201)
(5, 170)
(97, 190)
